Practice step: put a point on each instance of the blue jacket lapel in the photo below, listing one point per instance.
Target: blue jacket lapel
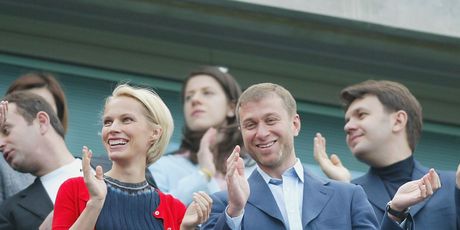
(261, 196)
(315, 197)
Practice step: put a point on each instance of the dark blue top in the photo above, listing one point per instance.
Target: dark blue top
(129, 206)
(395, 175)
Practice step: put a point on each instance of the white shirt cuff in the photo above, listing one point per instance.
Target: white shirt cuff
(234, 222)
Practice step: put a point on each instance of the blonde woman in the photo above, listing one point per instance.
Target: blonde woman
(137, 127)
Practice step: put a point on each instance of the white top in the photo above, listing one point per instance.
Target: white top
(53, 180)
(177, 175)
(288, 194)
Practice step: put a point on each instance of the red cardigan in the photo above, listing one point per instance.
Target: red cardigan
(73, 195)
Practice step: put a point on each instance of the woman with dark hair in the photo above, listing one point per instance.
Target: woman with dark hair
(211, 132)
(45, 85)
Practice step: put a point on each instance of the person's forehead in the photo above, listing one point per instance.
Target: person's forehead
(123, 104)
(202, 81)
(265, 105)
(365, 102)
(12, 115)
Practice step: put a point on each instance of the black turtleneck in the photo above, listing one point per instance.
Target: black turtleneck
(395, 175)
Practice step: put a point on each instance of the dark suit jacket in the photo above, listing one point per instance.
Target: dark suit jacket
(27, 209)
(436, 212)
(326, 205)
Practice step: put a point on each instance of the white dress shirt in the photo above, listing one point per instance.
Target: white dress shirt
(53, 180)
(288, 194)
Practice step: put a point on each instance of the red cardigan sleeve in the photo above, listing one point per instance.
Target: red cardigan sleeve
(171, 210)
(70, 202)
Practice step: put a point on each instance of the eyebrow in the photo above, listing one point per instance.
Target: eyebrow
(355, 110)
(200, 88)
(121, 115)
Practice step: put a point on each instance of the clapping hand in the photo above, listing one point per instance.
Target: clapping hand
(204, 155)
(237, 185)
(95, 183)
(197, 212)
(332, 166)
(458, 176)
(3, 112)
(416, 191)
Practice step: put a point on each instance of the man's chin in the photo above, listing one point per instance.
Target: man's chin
(360, 155)
(19, 169)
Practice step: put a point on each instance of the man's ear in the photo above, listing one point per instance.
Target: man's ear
(155, 135)
(296, 125)
(399, 120)
(43, 121)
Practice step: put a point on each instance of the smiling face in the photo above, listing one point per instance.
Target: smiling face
(126, 133)
(368, 127)
(17, 150)
(205, 103)
(268, 133)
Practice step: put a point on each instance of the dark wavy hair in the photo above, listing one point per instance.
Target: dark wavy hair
(36, 80)
(232, 135)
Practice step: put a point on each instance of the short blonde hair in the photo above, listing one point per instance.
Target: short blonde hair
(157, 114)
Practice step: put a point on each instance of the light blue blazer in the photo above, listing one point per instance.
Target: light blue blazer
(326, 205)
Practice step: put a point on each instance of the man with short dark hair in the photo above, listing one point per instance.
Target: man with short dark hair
(32, 141)
(383, 122)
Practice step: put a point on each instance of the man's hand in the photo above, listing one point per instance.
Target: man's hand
(3, 112)
(332, 167)
(237, 185)
(415, 191)
(458, 176)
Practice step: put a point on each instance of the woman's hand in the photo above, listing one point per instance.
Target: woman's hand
(197, 212)
(204, 155)
(95, 183)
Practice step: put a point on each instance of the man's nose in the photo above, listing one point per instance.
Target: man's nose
(349, 126)
(262, 131)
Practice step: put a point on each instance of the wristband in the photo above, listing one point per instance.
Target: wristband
(207, 173)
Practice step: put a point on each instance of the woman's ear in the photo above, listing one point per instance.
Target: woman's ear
(43, 120)
(399, 120)
(156, 134)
